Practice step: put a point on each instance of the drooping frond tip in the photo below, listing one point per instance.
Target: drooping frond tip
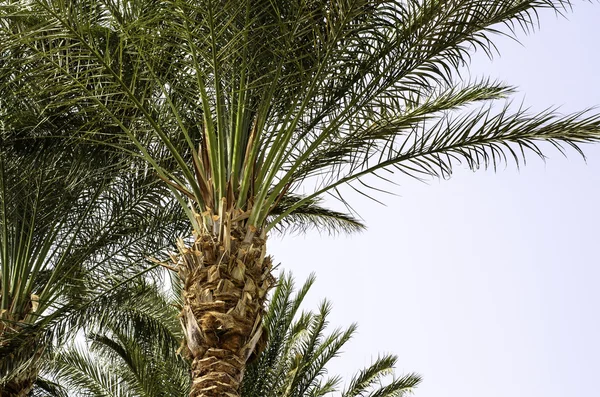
(311, 215)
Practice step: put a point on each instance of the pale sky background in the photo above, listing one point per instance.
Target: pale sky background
(486, 284)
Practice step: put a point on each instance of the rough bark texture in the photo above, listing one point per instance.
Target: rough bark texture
(225, 287)
(20, 386)
(20, 366)
(21, 378)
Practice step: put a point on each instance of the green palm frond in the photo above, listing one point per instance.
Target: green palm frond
(131, 350)
(483, 138)
(76, 369)
(369, 380)
(144, 316)
(238, 104)
(310, 214)
(298, 350)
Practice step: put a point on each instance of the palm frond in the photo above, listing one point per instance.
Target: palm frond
(75, 369)
(369, 380)
(127, 357)
(135, 335)
(298, 350)
(311, 215)
(481, 139)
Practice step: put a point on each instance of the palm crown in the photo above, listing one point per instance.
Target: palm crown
(250, 99)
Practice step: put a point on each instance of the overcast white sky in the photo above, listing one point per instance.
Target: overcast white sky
(486, 284)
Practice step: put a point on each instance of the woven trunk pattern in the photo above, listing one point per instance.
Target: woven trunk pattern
(224, 294)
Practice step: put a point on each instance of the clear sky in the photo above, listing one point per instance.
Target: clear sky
(486, 284)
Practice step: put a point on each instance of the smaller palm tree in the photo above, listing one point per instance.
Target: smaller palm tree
(44, 202)
(73, 227)
(132, 353)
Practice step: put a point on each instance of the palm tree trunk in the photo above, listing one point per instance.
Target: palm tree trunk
(17, 388)
(20, 367)
(20, 384)
(225, 284)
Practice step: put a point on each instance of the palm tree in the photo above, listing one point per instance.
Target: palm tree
(253, 111)
(132, 353)
(35, 217)
(73, 227)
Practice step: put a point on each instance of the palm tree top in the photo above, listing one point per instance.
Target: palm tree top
(252, 112)
(244, 106)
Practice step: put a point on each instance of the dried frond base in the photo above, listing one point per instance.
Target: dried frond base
(224, 295)
(20, 368)
(18, 387)
(21, 381)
